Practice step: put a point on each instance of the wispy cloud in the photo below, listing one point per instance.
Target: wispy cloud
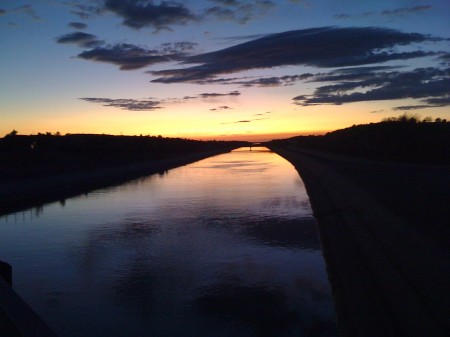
(77, 25)
(126, 103)
(319, 47)
(80, 39)
(396, 12)
(431, 85)
(215, 94)
(410, 107)
(128, 56)
(27, 9)
(261, 116)
(244, 121)
(220, 108)
(405, 10)
(238, 122)
(153, 103)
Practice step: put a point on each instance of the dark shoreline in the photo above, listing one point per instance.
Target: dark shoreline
(389, 276)
(19, 195)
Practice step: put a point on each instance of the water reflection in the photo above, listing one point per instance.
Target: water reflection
(262, 309)
(223, 247)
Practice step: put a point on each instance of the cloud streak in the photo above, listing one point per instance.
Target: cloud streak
(80, 39)
(77, 25)
(397, 12)
(319, 47)
(129, 57)
(126, 103)
(215, 95)
(153, 104)
(220, 108)
(431, 85)
(245, 121)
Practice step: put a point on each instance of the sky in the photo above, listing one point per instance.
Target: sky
(220, 69)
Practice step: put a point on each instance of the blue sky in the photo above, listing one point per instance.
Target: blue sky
(220, 69)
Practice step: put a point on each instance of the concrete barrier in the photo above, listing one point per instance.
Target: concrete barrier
(388, 279)
(17, 319)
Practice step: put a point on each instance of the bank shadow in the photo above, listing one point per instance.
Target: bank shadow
(264, 310)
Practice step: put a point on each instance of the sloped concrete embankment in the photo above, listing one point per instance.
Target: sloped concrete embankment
(387, 278)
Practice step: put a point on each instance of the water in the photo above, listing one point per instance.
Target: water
(226, 246)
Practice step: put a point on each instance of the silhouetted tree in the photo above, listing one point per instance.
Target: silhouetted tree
(12, 133)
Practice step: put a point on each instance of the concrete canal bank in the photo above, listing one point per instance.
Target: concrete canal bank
(389, 268)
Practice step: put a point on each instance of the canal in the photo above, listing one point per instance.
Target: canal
(226, 246)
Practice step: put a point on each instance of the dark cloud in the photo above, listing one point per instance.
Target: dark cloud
(2, 12)
(220, 108)
(81, 39)
(177, 47)
(214, 94)
(126, 104)
(445, 59)
(320, 47)
(439, 101)
(139, 14)
(432, 85)
(77, 25)
(128, 56)
(153, 104)
(161, 15)
(274, 81)
(239, 11)
(243, 37)
(411, 107)
(406, 10)
(238, 122)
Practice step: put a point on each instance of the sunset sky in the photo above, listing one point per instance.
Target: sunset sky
(220, 69)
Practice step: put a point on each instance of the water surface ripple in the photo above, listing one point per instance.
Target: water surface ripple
(226, 246)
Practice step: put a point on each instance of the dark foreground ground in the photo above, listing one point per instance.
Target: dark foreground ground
(44, 168)
(385, 229)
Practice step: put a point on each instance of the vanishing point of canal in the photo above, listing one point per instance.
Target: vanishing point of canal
(226, 246)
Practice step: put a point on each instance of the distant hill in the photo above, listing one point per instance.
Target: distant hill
(46, 154)
(401, 139)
